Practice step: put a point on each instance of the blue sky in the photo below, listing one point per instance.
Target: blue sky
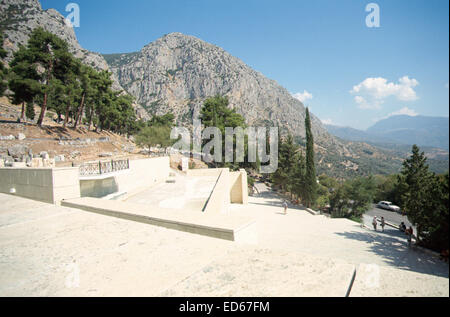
(321, 50)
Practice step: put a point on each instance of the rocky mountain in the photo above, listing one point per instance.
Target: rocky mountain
(18, 18)
(178, 72)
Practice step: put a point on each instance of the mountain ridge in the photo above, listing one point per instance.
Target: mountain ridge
(178, 72)
(402, 129)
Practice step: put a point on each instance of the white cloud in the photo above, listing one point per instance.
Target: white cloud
(326, 121)
(402, 111)
(302, 96)
(363, 104)
(371, 92)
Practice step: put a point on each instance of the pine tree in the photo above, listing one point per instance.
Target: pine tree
(416, 181)
(310, 173)
(46, 52)
(3, 70)
(298, 175)
(86, 76)
(24, 78)
(69, 71)
(361, 190)
(283, 176)
(425, 199)
(215, 113)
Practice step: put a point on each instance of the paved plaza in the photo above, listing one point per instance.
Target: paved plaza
(186, 193)
(49, 250)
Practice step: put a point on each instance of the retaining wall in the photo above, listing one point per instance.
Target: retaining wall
(49, 185)
(141, 174)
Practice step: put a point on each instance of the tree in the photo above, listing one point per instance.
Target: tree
(310, 173)
(3, 70)
(349, 199)
(435, 234)
(24, 79)
(287, 159)
(50, 52)
(69, 72)
(339, 202)
(425, 199)
(215, 113)
(86, 76)
(164, 120)
(121, 116)
(38, 64)
(154, 136)
(417, 182)
(102, 99)
(387, 188)
(297, 177)
(44, 72)
(361, 191)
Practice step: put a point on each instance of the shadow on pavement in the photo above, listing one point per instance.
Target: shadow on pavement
(274, 200)
(396, 252)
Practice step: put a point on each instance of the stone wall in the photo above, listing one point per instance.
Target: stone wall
(143, 173)
(231, 187)
(49, 185)
(238, 187)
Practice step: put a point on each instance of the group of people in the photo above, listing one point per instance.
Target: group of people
(375, 223)
(402, 227)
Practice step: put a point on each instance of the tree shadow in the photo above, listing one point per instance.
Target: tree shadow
(396, 252)
(59, 131)
(278, 204)
(274, 199)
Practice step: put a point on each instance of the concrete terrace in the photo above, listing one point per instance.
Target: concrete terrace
(48, 250)
(186, 193)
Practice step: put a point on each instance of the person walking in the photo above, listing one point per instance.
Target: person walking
(382, 224)
(409, 233)
(285, 205)
(374, 223)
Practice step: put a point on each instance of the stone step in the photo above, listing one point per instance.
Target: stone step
(223, 226)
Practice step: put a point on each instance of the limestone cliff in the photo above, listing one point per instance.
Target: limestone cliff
(178, 72)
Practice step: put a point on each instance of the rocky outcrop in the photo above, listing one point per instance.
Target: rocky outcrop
(18, 18)
(177, 72)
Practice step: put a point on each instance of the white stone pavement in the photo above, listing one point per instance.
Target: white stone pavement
(336, 238)
(46, 250)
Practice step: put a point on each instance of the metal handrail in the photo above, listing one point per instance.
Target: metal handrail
(103, 167)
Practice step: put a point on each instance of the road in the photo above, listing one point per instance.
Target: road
(390, 216)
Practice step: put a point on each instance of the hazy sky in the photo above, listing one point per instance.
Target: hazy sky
(321, 51)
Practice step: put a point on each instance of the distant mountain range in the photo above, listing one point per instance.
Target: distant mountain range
(400, 129)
